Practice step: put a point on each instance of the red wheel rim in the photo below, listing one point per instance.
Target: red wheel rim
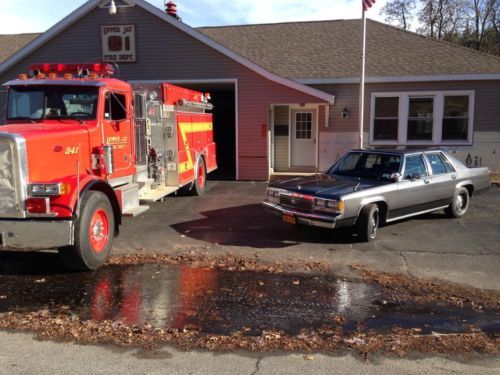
(201, 175)
(99, 231)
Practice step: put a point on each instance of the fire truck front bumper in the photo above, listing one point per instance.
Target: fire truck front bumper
(35, 234)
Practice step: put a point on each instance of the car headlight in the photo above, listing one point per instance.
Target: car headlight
(329, 205)
(273, 195)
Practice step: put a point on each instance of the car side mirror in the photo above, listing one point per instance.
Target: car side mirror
(395, 177)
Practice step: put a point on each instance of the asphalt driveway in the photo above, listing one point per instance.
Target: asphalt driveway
(229, 219)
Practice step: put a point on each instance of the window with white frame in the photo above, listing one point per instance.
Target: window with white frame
(437, 117)
(386, 118)
(303, 125)
(456, 118)
(420, 118)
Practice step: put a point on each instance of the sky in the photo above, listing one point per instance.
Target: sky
(28, 16)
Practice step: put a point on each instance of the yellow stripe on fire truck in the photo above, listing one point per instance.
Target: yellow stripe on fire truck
(187, 128)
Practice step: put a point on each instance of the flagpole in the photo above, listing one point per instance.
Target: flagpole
(362, 81)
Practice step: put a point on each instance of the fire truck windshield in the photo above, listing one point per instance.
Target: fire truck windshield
(52, 102)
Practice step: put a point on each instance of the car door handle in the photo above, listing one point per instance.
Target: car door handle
(453, 176)
(426, 181)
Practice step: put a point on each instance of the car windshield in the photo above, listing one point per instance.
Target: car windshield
(52, 102)
(368, 165)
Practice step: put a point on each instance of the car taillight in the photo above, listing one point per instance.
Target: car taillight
(38, 205)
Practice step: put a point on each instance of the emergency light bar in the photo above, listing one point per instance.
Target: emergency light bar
(76, 69)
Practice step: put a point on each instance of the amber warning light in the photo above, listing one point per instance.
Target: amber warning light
(79, 70)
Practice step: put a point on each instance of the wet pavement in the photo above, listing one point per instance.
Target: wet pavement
(222, 302)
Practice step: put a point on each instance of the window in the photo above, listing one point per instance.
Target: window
(420, 119)
(115, 107)
(52, 102)
(437, 164)
(303, 125)
(424, 118)
(456, 118)
(386, 119)
(414, 165)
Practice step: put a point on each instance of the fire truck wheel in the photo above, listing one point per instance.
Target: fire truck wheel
(200, 181)
(94, 232)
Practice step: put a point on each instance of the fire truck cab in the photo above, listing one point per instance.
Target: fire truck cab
(81, 149)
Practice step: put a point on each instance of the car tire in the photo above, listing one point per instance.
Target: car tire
(200, 181)
(94, 233)
(459, 204)
(368, 223)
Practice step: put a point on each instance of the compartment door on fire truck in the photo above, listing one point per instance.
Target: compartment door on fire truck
(118, 132)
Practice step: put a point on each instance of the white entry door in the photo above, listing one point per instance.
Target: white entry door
(303, 138)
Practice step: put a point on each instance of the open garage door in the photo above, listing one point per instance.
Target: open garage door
(224, 118)
(3, 105)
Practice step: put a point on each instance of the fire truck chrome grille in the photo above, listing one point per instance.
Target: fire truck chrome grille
(8, 204)
(298, 203)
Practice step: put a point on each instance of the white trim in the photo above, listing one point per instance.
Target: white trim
(308, 108)
(91, 4)
(396, 79)
(272, 140)
(437, 126)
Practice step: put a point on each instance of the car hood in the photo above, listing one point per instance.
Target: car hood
(325, 185)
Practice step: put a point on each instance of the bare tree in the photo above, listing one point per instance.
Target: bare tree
(399, 11)
(440, 19)
(482, 14)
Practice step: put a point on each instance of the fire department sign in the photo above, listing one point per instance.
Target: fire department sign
(118, 43)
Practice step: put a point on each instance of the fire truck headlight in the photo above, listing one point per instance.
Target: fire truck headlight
(36, 189)
(49, 189)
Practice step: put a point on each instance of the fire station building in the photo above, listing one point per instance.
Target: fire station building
(286, 95)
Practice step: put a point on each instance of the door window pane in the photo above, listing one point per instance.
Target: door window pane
(303, 125)
(456, 118)
(437, 164)
(386, 119)
(115, 108)
(420, 119)
(414, 164)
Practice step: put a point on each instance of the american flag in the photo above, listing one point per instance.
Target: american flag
(367, 4)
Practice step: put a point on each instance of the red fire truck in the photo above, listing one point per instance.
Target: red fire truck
(81, 149)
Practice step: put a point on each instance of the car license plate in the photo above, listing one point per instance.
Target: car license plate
(289, 219)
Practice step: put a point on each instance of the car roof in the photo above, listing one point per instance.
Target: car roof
(399, 151)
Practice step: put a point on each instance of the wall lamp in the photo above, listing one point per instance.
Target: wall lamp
(345, 113)
(113, 8)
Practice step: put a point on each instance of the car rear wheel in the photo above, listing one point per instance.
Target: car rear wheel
(368, 223)
(94, 232)
(460, 203)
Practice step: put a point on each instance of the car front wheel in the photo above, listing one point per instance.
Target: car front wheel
(368, 223)
(94, 232)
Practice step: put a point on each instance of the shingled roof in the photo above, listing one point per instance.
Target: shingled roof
(327, 49)
(10, 44)
(330, 49)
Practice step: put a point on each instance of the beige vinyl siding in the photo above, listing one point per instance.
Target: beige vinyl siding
(486, 111)
(166, 53)
(281, 142)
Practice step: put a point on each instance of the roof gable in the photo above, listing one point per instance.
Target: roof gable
(92, 4)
